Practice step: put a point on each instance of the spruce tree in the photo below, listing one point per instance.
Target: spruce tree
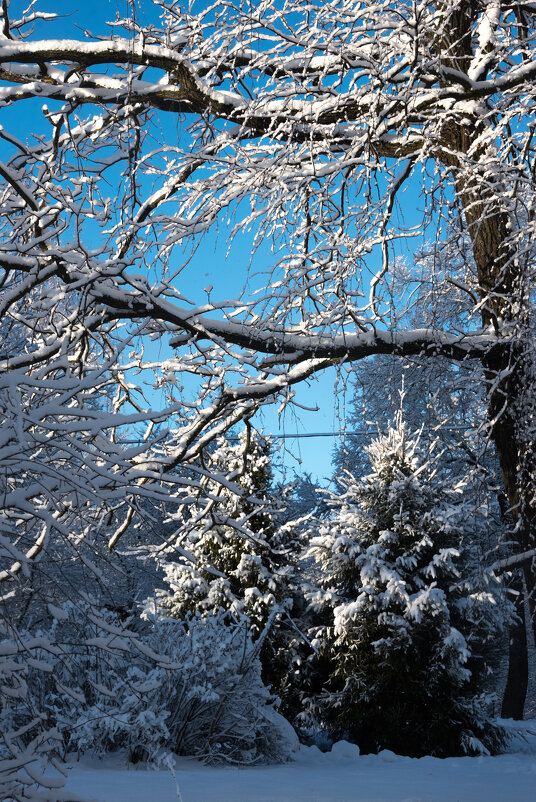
(412, 618)
(241, 553)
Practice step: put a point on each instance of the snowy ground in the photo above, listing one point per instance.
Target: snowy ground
(340, 776)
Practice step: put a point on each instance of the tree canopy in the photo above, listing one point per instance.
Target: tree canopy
(305, 122)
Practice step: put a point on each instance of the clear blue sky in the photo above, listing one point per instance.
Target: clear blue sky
(212, 265)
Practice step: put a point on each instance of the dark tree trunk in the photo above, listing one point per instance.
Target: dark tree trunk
(518, 667)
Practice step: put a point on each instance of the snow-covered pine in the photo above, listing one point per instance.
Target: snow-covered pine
(412, 620)
(242, 552)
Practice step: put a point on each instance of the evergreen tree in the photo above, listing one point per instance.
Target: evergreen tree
(241, 553)
(413, 621)
(451, 417)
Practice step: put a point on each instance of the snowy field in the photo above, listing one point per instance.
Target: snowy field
(339, 776)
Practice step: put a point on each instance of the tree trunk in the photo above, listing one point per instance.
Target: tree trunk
(518, 666)
(509, 369)
(509, 377)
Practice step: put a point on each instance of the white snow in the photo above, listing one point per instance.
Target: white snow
(339, 776)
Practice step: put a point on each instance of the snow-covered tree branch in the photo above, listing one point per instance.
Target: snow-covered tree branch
(305, 124)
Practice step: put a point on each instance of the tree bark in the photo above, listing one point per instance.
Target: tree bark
(518, 668)
(507, 368)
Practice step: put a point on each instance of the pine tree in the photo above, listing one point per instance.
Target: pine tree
(241, 553)
(412, 619)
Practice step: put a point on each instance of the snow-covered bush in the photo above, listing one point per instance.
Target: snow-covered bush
(192, 687)
(220, 708)
(29, 743)
(79, 676)
(410, 620)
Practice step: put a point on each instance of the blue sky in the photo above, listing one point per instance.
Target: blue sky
(212, 264)
(321, 402)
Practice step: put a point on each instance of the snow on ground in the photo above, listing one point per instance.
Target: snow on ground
(339, 776)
